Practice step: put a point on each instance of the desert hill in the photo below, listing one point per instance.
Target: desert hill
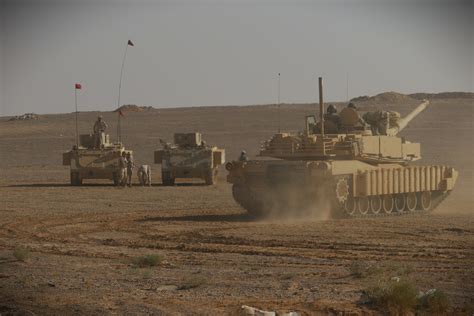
(392, 97)
(133, 108)
(442, 95)
(384, 98)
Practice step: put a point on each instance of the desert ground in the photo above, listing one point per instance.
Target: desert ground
(79, 245)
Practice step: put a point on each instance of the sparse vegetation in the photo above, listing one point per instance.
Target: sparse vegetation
(147, 260)
(192, 282)
(394, 297)
(400, 297)
(21, 253)
(358, 269)
(435, 302)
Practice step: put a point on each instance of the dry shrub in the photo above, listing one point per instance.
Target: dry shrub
(393, 297)
(435, 302)
(21, 253)
(358, 269)
(192, 282)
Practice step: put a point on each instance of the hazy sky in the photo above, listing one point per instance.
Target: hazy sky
(190, 53)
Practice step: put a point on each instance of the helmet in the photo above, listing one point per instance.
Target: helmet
(99, 117)
(352, 106)
(331, 109)
(243, 152)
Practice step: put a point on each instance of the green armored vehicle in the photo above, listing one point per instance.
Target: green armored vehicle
(189, 157)
(344, 165)
(95, 157)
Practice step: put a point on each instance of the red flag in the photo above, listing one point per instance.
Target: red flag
(78, 86)
(130, 43)
(121, 113)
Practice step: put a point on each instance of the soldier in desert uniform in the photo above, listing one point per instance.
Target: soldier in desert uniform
(130, 166)
(361, 121)
(99, 127)
(332, 119)
(243, 156)
(123, 169)
(144, 175)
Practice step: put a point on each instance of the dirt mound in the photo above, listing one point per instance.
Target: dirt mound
(25, 117)
(134, 108)
(385, 98)
(442, 95)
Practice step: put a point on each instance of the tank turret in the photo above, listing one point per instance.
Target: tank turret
(371, 138)
(356, 164)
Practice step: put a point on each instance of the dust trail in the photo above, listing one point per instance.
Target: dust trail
(295, 204)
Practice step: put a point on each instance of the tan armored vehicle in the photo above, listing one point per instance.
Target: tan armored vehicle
(344, 164)
(94, 158)
(189, 157)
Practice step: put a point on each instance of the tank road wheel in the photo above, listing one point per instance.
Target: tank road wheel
(388, 203)
(399, 202)
(211, 177)
(342, 190)
(411, 202)
(350, 205)
(424, 200)
(363, 205)
(166, 178)
(75, 179)
(375, 204)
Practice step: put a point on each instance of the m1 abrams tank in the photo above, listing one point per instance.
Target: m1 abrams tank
(355, 170)
(94, 158)
(189, 157)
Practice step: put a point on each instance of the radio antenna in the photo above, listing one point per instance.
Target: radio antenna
(347, 86)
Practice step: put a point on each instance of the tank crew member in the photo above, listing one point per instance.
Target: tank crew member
(243, 156)
(99, 127)
(144, 175)
(334, 119)
(352, 106)
(123, 169)
(361, 120)
(130, 166)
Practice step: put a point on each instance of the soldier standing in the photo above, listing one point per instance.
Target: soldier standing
(123, 169)
(332, 116)
(144, 175)
(361, 121)
(99, 127)
(243, 156)
(130, 167)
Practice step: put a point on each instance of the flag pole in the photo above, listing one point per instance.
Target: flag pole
(119, 131)
(279, 115)
(77, 133)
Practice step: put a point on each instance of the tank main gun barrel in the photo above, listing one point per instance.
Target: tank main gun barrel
(403, 122)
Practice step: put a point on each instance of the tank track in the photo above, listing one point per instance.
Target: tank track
(340, 213)
(256, 207)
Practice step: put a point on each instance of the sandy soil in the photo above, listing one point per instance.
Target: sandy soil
(82, 240)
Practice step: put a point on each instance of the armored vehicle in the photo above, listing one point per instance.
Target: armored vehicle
(189, 157)
(94, 158)
(343, 164)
